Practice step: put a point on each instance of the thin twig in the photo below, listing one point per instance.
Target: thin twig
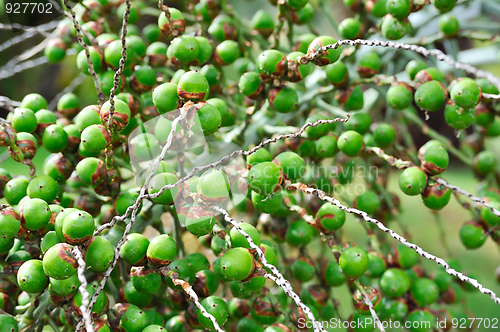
(84, 308)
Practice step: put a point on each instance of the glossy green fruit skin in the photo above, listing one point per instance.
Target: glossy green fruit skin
(228, 117)
(384, 135)
(292, 164)
(436, 197)
(267, 204)
(431, 96)
(16, 189)
(369, 64)
(226, 52)
(134, 320)
(251, 85)
(134, 297)
(350, 143)
(24, 120)
(263, 23)
(420, 320)
(35, 214)
(413, 67)
(31, 277)
(283, 99)
(472, 235)
(332, 274)
(99, 254)
(354, 262)
(435, 159)
(326, 146)
(121, 115)
(368, 202)
(95, 138)
(317, 131)
(133, 251)
(359, 122)
(160, 180)
(458, 118)
(393, 28)
(271, 63)
(200, 221)
(377, 265)
(34, 102)
(405, 257)
(8, 323)
(465, 93)
(328, 57)
(95, 58)
(350, 28)
(303, 270)
(394, 283)
(337, 73)
(90, 170)
(193, 86)
(488, 216)
(449, 26)
(485, 162)
(399, 96)
(162, 250)
(213, 186)
(217, 307)
(54, 138)
(237, 264)
(351, 99)
(59, 262)
(399, 8)
(443, 280)
(238, 240)
(330, 217)
(209, 118)
(9, 225)
(78, 227)
(43, 187)
(185, 48)
(300, 233)
(87, 116)
(412, 181)
(65, 287)
(264, 178)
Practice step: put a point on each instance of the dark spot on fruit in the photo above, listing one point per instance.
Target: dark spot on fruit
(24, 280)
(40, 187)
(213, 305)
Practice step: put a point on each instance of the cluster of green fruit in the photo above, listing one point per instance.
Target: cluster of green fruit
(204, 59)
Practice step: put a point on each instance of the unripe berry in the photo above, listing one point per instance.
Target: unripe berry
(351, 99)
(369, 64)
(251, 85)
(412, 181)
(31, 277)
(263, 23)
(95, 138)
(448, 24)
(376, 7)
(43, 187)
(179, 24)
(34, 102)
(350, 28)
(299, 233)
(226, 52)
(393, 28)
(200, 220)
(435, 159)
(223, 28)
(65, 287)
(162, 250)
(436, 196)
(54, 138)
(264, 178)
(237, 264)
(35, 214)
(271, 63)
(98, 254)
(394, 283)
(100, 306)
(384, 135)
(337, 73)
(59, 262)
(193, 86)
(95, 57)
(420, 318)
(215, 306)
(326, 146)
(399, 96)
(458, 118)
(330, 218)
(303, 269)
(24, 120)
(424, 291)
(488, 216)
(485, 162)
(185, 48)
(209, 119)
(368, 202)
(429, 74)
(350, 143)
(466, 93)
(327, 57)
(413, 67)
(55, 51)
(431, 96)
(399, 8)
(472, 235)
(78, 227)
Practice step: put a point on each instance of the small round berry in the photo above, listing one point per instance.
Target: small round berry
(162, 250)
(213, 186)
(251, 85)
(99, 254)
(178, 22)
(337, 73)
(267, 204)
(239, 240)
(228, 117)
(299, 234)
(144, 147)
(429, 74)
(472, 235)
(359, 122)
(303, 269)
(31, 277)
(264, 178)
(193, 86)
(156, 52)
(354, 262)
(59, 262)
(330, 218)
(318, 131)
(377, 265)
(436, 196)
(34, 102)
(10, 223)
(206, 50)
(292, 164)
(394, 283)
(99, 307)
(435, 159)
(283, 99)
(226, 52)
(351, 99)
(485, 162)
(488, 216)
(185, 48)
(376, 7)
(134, 319)
(95, 138)
(133, 251)
(384, 135)
(399, 96)
(393, 28)
(200, 220)
(399, 8)
(90, 170)
(369, 64)
(126, 199)
(132, 296)
(54, 138)
(420, 321)
(216, 307)
(303, 41)
(465, 93)
(95, 57)
(78, 227)
(332, 274)
(55, 51)
(24, 120)
(413, 67)
(165, 97)
(68, 105)
(43, 187)
(263, 23)
(35, 214)
(159, 181)
(431, 96)
(425, 291)
(237, 264)
(412, 181)
(87, 116)
(350, 28)
(458, 118)
(350, 143)
(327, 57)
(113, 55)
(326, 146)
(271, 63)
(404, 257)
(65, 287)
(449, 26)
(209, 119)
(121, 114)
(368, 202)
